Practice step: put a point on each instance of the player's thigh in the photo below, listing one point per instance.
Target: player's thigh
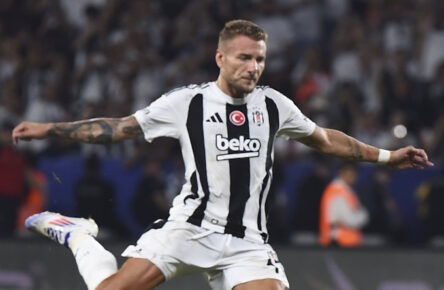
(263, 284)
(136, 273)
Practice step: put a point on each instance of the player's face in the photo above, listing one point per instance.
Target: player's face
(241, 61)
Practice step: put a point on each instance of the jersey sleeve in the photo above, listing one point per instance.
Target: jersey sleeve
(159, 119)
(293, 123)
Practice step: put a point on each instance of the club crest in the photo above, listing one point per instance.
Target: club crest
(258, 117)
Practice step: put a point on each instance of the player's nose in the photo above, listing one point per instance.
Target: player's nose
(253, 66)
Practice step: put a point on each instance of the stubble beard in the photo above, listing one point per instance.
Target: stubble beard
(240, 90)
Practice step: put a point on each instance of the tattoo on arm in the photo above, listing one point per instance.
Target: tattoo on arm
(132, 131)
(355, 149)
(100, 131)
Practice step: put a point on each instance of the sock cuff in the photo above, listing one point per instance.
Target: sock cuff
(75, 240)
(95, 263)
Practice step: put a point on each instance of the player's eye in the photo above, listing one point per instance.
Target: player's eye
(244, 57)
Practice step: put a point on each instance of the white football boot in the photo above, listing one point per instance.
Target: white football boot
(58, 227)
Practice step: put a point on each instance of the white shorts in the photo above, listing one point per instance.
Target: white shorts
(180, 248)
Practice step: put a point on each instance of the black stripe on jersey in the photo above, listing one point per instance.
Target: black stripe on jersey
(273, 117)
(193, 194)
(196, 133)
(239, 175)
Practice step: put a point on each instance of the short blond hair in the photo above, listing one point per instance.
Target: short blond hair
(238, 27)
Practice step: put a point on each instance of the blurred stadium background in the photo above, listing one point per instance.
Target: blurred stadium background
(371, 68)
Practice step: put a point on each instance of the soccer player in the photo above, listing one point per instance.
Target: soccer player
(217, 224)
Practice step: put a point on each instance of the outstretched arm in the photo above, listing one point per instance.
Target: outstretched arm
(100, 130)
(336, 143)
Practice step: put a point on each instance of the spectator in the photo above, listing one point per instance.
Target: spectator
(385, 216)
(438, 141)
(430, 196)
(434, 100)
(37, 194)
(95, 197)
(12, 181)
(310, 189)
(10, 103)
(45, 109)
(150, 202)
(374, 64)
(278, 220)
(312, 84)
(341, 215)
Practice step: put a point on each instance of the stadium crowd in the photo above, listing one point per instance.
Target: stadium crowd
(371, 68)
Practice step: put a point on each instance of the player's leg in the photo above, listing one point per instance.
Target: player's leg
(96, 265)
(135, 274)
(248, 265)
(263, 284)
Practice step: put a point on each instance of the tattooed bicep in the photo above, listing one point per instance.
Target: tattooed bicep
(130, 127)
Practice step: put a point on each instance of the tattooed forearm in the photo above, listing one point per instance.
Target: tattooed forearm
(355, 149)
(339, 144)
(100, 131)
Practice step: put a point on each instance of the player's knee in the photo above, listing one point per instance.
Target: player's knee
(108, 283)
(265, 284)
(133, 275)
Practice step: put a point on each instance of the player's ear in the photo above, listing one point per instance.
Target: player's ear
(219, 58)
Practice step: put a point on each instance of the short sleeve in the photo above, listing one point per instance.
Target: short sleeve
(159, 119)
(293, 123)
(296, 125)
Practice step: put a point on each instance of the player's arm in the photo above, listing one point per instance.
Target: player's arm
(339, 144)
(100, 130)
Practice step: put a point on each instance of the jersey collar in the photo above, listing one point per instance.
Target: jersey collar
(235, 101)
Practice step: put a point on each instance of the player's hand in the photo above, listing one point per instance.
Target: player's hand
(409, 157)
(29, 130)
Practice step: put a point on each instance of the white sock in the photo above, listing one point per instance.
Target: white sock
(94, 262)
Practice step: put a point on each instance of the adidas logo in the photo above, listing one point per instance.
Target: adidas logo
(215, 118)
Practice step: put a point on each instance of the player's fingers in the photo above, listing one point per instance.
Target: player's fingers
(412, 151)
(422, 161)
(20, 133)
(426, 161)
(419, 156)
(417, 166)
(422, 153)
(16, 133)
(425, 154)
(414, 165)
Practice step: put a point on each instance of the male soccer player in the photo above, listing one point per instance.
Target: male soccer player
(217, 224)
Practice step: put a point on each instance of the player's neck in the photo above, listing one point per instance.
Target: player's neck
(229, 90)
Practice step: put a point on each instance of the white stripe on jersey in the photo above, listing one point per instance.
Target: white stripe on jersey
(227, 146)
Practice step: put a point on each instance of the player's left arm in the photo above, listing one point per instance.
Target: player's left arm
(339, 144)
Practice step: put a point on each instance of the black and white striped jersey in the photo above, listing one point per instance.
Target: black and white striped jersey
(227, 146)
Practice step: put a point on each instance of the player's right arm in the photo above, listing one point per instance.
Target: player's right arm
(99, 130)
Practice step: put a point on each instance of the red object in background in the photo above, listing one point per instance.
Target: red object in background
(36, 199)
(12, 173)
(307, 89)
